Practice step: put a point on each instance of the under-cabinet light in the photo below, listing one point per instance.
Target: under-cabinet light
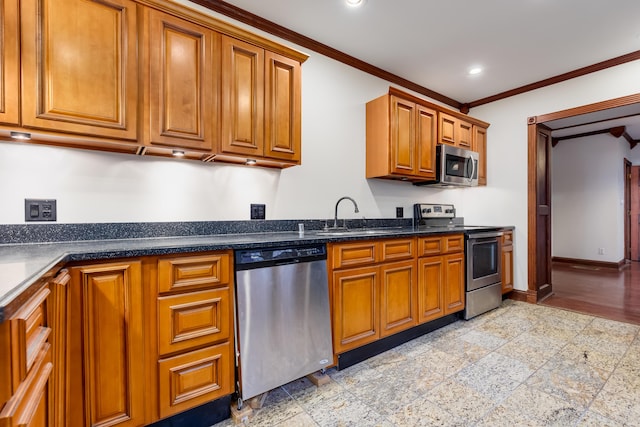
(21, 135)
(178, 153)
(251, 162)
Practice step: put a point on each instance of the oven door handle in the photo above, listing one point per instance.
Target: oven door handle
(487, 235)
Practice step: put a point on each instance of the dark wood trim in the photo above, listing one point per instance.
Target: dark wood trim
(270, 27)
(633, 56)
(617, 132)
(589, 262)
(277, 30)
(518, 295)
(589, 108)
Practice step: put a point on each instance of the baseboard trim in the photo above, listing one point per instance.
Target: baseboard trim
(518, 295)
(588, 262)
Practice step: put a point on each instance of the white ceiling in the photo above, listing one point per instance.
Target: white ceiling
(435, 43)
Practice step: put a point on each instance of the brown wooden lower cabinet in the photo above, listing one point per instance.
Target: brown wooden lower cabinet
(355, 308)
(507, 261)
(106, 363)
(194, 378)
(382, 287)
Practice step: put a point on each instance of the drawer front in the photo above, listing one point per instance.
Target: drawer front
(194, 378)
(29, 333)
(429, 246)
(193, 319)
(453, 243)
(397, 249)
(29, 405)
(193, 272)
(507, 238)
(354, 254)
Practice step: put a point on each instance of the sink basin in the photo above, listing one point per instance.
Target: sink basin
(355, 232)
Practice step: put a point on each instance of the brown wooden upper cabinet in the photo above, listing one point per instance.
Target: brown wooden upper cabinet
(181, 98)
(401, 139)
(9, 63)
(148, 77)
(479, 144)
(454, 131)
(403, 132)
(261, 103)
(80, 67)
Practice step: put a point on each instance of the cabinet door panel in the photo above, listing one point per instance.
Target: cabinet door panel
(507, 269)
(82, 59)
(181, 81)
(111, 343)
(426, 141)
(448, 129)
(402, 136)
(282, 108)
(355, 308)
(454, 283)
(480, 146)
(430, 288)
(242, 98)
(465, 137)
(9, 63)
(398, 299)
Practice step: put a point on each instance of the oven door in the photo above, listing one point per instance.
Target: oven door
(483, 260)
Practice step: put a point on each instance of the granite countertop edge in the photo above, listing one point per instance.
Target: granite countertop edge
(35, 260)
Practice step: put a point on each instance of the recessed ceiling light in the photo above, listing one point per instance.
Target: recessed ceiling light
(475, 70)
(355, 3)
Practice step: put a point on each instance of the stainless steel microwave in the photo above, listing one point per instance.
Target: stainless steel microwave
(455, 166)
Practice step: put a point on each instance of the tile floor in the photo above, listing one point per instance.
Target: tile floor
(518, 365)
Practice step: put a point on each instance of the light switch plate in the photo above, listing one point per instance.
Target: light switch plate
(258, 211)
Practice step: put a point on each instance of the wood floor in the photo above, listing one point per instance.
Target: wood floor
(604, 292)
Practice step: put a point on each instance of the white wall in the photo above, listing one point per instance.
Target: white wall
(100, 187)
(587, 182)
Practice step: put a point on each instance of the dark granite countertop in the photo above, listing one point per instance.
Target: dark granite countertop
(23, 265)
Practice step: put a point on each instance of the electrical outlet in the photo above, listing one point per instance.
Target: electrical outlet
(40, 210)
(399, 212)
(600, 251)
(258, 211)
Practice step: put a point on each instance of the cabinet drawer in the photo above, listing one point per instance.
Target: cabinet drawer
(194, 378)
(29, 404)
(429, 246)
(193, 272)
(507, 238)
(354, 254)
(453, 243)
(29, 333)
(194, 319)
(397, 249)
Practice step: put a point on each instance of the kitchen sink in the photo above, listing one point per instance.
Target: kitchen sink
(356, 232)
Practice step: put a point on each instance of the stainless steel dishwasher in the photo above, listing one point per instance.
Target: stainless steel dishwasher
(283, 318)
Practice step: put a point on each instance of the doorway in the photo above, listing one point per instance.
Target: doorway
(539, 197)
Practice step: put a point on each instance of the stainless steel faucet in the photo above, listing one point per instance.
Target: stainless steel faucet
(335, 219)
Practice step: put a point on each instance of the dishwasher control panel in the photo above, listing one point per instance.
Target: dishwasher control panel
(273, 256)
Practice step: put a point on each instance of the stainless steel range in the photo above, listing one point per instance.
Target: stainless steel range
(483, 286)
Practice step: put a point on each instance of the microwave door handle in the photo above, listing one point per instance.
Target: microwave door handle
(470, 163)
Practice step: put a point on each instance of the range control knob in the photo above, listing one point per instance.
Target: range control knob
(426, 210)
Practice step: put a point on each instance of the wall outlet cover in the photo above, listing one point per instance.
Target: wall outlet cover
(258, 211)
(399, 212)
(40, 210)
